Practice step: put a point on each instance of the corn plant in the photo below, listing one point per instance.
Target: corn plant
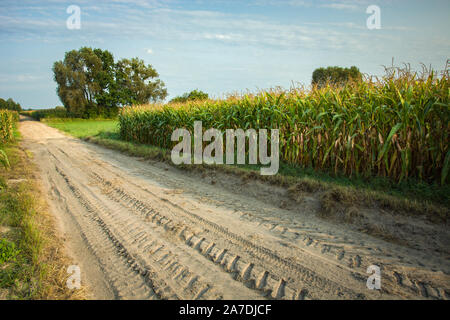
(7, 121)
(4, 161)
(397, 126)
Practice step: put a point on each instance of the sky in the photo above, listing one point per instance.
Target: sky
(218, 46)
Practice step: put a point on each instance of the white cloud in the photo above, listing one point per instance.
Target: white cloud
(340, 6)
(218, 36)
(22, 78)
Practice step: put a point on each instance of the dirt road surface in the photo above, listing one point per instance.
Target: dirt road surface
(145, 230)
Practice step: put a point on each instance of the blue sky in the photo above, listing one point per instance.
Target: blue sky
(218, 46)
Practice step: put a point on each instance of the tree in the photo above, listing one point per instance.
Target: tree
(335, 76)
(10, 104)
(3, 104)
(138, 83)
(109, 95)
(190, 96)
(90, 83)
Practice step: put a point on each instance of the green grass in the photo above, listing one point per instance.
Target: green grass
(81, 128)
(8, 251)
(19, 272)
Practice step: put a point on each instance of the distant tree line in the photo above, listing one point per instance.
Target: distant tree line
(91, 83)
(10, 104)
(335, 76)
(190, 96)
(57, 112)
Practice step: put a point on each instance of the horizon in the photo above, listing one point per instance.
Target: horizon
(219, 46)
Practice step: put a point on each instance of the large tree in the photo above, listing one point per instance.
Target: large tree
(335, 75)
(76, 77)
(91, 83)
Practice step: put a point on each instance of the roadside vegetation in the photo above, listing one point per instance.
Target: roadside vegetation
(8, 119)
(32, 262)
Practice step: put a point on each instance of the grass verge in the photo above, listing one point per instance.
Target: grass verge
(335, 192)
(81, 128)
(32, 262)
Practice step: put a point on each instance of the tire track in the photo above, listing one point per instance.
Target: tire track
(160, 268)
(250, 273)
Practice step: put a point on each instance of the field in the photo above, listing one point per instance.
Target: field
(395, 127)
(84, 128)
(7, 123)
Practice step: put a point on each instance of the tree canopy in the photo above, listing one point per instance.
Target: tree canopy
(10, 104)
(191, 96)
(335, 75)
(90, 82)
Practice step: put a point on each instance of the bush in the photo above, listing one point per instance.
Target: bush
(62, 113)
(58, 112)
(335, 76)
(195, 95)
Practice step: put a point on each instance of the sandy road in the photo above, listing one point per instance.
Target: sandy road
(142, 230)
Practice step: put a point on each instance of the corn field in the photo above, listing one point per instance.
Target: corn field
(7, 121)
(397, 126)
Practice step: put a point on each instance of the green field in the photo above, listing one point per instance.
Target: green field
(81, 128)
(396, 128)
